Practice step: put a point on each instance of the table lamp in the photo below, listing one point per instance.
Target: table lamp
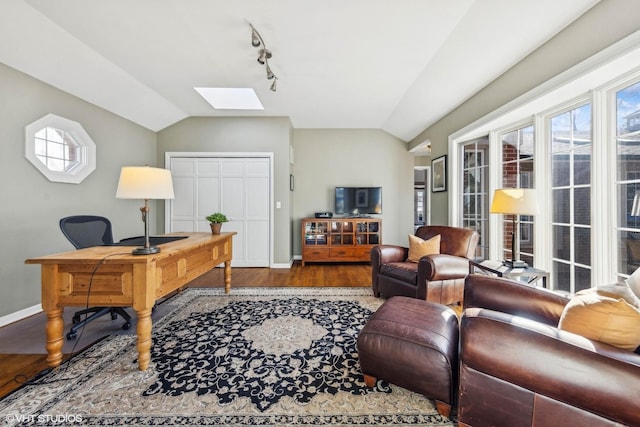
(514, 201)
(144, 182)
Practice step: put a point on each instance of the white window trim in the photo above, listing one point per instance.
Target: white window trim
(87, 149)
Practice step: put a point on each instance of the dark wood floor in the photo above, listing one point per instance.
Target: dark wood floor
(16, 368)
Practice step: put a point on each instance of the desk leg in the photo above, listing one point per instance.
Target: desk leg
(144, 338)
(227, 276)
(55, 338)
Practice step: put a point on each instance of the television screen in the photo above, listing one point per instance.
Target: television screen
(358, 200)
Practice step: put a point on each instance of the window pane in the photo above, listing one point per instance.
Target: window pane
(582, 166)
(562, 242)
(561, 203)
(583, 278)
(561, 276)
(582, 242)
(560, 170)
(582, 206)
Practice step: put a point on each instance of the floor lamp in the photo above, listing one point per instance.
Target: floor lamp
(514, 201)
(144, 182)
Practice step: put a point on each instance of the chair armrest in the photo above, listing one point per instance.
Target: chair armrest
(510, 296)
(557, 364)
(384, 254)
(442, 267)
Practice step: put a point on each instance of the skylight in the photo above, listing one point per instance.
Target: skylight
(223, 98)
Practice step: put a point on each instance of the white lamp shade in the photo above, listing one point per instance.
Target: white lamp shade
(144, 182)
(516, 201)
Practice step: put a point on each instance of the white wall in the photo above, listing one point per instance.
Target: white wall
(31, 206)
(242, 134)
(325, 159)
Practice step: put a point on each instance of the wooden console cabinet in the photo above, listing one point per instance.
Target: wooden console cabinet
(339, 239)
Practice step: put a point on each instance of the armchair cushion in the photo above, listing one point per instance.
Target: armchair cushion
(405, 271)
(419, 247)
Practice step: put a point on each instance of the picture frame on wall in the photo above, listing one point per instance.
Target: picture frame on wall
(439, 174)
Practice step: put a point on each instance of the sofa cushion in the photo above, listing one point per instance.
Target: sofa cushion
(419, 247)
(404, 271)
(603, 317)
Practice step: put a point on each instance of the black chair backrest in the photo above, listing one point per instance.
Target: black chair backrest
(84, 231)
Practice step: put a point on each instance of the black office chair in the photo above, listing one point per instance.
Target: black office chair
(84, 231)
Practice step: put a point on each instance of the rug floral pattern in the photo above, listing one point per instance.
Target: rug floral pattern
(270, 357)
(263, 350)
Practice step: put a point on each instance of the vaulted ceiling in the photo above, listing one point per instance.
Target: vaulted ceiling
(396, 65)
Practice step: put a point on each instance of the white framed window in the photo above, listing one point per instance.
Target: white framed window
(475, 187)
(60, 149)
(586, 134)
(570, 145)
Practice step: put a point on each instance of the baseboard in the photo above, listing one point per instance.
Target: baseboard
(19, 315)
(282, 265)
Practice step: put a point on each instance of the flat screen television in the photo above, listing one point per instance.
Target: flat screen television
(356, 201)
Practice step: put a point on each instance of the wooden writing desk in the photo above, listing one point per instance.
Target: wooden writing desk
(114, 277)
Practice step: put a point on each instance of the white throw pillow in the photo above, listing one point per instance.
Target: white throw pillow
(634, 282)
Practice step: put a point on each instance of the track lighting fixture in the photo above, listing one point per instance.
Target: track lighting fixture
(264, 55)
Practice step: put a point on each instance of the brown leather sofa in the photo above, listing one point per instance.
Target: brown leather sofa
(518, 369)
(437, 278)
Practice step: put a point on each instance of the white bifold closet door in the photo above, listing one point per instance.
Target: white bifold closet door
(237, 187)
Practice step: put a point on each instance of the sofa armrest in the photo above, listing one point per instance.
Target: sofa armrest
(559, 365)
(510, 296)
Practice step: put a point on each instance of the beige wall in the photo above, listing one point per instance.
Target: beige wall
(32, 206)
(241, 134)
(325, 159)
(606, 23)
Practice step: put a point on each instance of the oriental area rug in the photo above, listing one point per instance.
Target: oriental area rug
(254, 357)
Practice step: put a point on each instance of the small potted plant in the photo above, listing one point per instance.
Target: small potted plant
(216, 220)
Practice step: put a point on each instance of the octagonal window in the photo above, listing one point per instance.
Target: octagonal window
(60, 149)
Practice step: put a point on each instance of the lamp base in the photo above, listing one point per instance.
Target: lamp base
(515, 263)
(146, 251)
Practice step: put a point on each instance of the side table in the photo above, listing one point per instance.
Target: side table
(529, 275)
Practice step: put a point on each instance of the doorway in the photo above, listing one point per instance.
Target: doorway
(421, 196)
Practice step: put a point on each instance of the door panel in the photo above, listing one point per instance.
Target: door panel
(239, 187)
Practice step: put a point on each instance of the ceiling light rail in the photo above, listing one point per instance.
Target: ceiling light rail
(264, 54)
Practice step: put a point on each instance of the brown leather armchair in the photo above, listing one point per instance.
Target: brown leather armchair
(437, 278)
(518, 369)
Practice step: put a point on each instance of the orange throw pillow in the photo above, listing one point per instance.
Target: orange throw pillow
(602, 317)
(419, 247)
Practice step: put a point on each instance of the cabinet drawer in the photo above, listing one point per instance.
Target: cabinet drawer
(338, 252)
(310, 254)
(363, 253)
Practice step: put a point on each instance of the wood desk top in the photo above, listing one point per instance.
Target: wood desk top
(117, 254)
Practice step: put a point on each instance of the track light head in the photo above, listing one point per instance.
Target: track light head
(273, 85)
(255, 38)
(270, 74)
(264, 55)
